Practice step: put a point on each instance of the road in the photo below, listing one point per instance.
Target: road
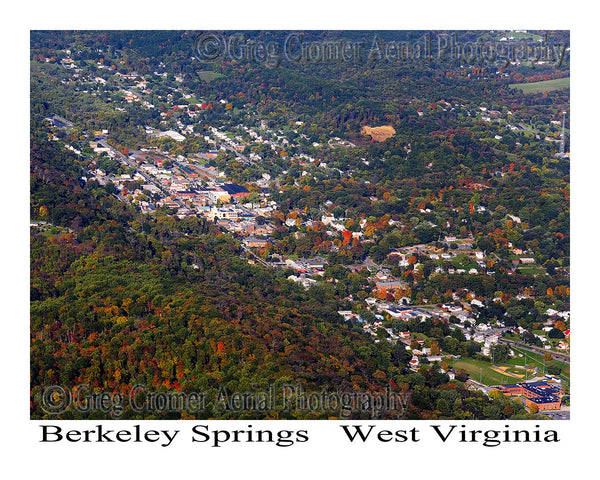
(243, 158)
(562, 357)
(123, 159)
(256, 257)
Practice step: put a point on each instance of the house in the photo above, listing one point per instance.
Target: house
(414, 363)
(479, 338)
(349, 315)
(263, 229)
(317, 263)
(398, 312)
(527, 260)
(306, 282)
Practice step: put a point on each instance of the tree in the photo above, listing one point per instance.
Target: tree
(347, 236)
(500, 353)
(399, 325)
(253, 197)
(556, 333)
(560, 325)
(554, 370)
(382, 333)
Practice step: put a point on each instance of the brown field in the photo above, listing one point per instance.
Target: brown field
(503, 370)
(379, 134)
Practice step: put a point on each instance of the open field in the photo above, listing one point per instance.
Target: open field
(484, 371)
(512, 372)
(508, 371)
(379, 134)
(518, 36)
(537, 360)
(208, 75)
(544, 86)
(531, 270)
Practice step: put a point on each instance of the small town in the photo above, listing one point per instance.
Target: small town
(448, 278)
(192, 187)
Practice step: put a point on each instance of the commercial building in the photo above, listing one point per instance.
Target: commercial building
(543, 394)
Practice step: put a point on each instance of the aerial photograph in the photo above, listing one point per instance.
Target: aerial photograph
(299, 225)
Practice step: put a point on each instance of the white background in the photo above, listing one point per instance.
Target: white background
(328, 454)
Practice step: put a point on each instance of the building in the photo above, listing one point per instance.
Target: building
(227, 213)
(527, 260)
(172, 134)
(234, 190)
(543, 394)
(255, 242)
(316, 263)
(389, 283)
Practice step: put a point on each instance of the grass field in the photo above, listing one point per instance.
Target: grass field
(544, 86)
(464, 261)
(519, 36)
(531, 270)
(537, 360)
(512, 372)
(481, 371)
(208, 75)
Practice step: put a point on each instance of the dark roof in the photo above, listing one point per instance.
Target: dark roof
(544, 392)
(233, 188)
(544, 399)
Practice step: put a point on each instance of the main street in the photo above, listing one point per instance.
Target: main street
(125, 160)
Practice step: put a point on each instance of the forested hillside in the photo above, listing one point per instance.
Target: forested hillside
(121, 297)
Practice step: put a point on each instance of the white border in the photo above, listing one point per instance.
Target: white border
(328, 454)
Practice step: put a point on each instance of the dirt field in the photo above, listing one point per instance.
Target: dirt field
(379, 134)
(503, 370)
